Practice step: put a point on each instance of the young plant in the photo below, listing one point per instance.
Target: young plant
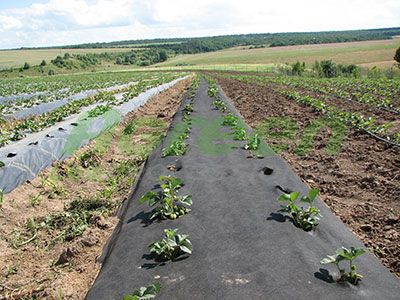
(253, 142)
(239, 133)
(144, 293)
(176, 148)
(220, 105)
(172, 246)
(179, 146)
(169, 205)
(188, 108)
(230, 120)
(1, 197)
(345, 254)
(306, 219)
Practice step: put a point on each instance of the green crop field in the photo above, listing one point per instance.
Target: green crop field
(16, 58)
(365, 54)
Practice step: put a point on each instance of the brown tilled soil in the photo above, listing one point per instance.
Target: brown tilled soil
(66, 270)
(360, 184)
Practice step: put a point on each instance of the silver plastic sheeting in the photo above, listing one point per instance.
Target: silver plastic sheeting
(24, 159)
(50, 106)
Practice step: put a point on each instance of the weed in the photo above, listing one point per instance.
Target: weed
(172, 246)
(144, 293)
(34, 200)
(90, 158)
(306, 219)
(253, 142)
(130, 128)
(345, 254)
(11, 270)
(169, 204)
(68, 224)
(55, 188)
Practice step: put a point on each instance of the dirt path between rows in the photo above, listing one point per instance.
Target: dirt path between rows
(360, 184)
(38, 267)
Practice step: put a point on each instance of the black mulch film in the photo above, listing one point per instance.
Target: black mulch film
(243, 248)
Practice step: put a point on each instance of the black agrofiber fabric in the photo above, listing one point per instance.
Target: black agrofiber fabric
(242, 247)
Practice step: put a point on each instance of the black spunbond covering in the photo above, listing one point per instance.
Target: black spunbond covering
(243, 248)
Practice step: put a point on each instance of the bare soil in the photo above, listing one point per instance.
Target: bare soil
(360, 184)
(41, 270)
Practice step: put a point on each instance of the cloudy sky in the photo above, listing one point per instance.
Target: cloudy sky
(60, 22)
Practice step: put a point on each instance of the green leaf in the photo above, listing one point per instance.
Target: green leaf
(284, 197)
(294, 195)
(313, 193)
(149, 196)
(187, 200)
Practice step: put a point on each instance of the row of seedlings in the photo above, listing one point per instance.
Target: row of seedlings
(304, 218)
(169, 205)
(17, 129)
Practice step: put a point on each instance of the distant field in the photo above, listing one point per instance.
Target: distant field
(16, 58)
(367, 53)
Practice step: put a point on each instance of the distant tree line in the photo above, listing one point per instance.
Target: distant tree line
(206, 44)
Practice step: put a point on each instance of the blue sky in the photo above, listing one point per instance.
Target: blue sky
(25, 23)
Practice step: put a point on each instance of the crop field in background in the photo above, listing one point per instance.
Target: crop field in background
(16, 58)
(366, 54)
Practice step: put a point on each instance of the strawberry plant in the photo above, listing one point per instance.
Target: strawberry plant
(239, 133)
(98, 111)
(349, 255)
(307, 219)
(144, 293)
(171, 246)
(176, 148)
(253, 142)
(230, 120)
(169, 204)
(220, 105)
(188, 108)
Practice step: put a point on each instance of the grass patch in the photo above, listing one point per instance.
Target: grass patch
(277, 129)
(333, 146)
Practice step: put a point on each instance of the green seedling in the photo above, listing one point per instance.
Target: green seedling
(230, 120)
(144, 293)
(172, 246)
(344, 254)
(253, 142)
(213, 91)
(220, 105)
(306, 219)
(98, 111)
(239, 133)
(1, 197)
(169, 205)
(178, 147)
(2, 164)
(188, 108)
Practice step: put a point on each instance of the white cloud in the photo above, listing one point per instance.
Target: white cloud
(57, 22)
(9, 23)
